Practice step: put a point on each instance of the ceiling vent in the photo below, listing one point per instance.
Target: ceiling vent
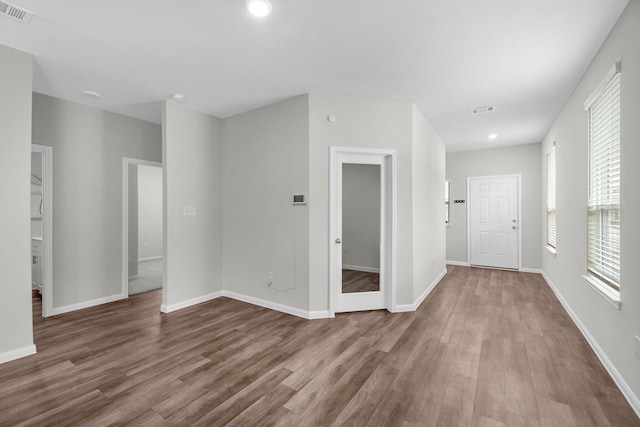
(15, 12)
(480, 110)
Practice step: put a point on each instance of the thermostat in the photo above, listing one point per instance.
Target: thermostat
(299, 199)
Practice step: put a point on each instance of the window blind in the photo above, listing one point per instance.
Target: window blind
(551, 198)
(603, 210)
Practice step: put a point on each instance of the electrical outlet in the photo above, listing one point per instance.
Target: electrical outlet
(345, 252)
(269, 278)
(636, 340)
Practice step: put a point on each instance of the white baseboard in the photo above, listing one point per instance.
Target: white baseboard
(360, 268)
(617, 378)
(322, 314)
(8, 356)
(531, 270)
(460, 263)
(400, 308)
(151, 258)
(188, 303)
(86, 304)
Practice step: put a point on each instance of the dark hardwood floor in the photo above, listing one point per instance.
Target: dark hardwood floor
(486, 348)
(359, 281)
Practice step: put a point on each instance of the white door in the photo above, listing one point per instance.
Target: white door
(494, 221)
(374, 295)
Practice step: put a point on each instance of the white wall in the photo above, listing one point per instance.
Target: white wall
(519, 159)
(610, 329)
(192, 167)
(133, 220)
(149, 212)
(361, 217)
(266, 162)
(88, 147)
(16, 334)
(428, 214)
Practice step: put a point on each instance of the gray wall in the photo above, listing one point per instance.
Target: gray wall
(192, 167)
(149, 212)
(266, 161)
(613, 330)
(16, 332)
(361, 217)
(428, 215)
(88, 147)
(519, 159)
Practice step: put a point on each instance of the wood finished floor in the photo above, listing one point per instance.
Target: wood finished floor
(359, 281)
(486, 348)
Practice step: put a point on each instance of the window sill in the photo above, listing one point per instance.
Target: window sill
(551, 250)
(605, 291)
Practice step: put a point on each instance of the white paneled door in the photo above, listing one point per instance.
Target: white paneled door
(494, 221)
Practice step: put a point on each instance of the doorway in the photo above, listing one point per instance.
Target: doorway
(142, 237)
(495, 230)
(362, 215)
(42, 225)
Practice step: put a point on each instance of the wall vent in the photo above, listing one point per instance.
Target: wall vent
(486, 109)
(15, 12)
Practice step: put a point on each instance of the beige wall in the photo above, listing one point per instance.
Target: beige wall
(16, 334)
(192, 152)
(149, 211)
(613, 330)
(133, 220)
(266, 162)
(88, 147)
(519, 159)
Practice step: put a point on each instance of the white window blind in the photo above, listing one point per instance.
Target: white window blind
(446, 201)
(551, 198)
(603, 210)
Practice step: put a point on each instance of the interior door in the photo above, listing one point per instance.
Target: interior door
(493, 222)
(358, 229)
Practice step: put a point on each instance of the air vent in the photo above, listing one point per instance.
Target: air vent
(480, 110)
(15, 12)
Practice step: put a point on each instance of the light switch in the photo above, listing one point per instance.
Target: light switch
(189, 211)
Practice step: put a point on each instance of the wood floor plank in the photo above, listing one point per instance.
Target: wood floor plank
(485, 348)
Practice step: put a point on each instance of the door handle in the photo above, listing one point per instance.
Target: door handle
(338, 241)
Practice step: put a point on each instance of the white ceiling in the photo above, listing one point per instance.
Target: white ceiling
(523, 56)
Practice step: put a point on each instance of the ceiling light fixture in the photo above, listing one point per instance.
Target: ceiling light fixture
(91, 94)
(493, 136)
(178, 97)
(259, 8)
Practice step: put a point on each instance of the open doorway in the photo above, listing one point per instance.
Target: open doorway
(143, 262)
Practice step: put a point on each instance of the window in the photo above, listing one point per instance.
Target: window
(551, 198)
(447, 184)
(603, 209)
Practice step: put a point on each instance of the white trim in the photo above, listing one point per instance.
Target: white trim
(388, 220)
(277, 307)
(151, 258)
(617, 378)
(598, 90)
(126, 161)
(190, 302)
(18, 353)
(530, 270)
(360, 268)
(460, 263)
(47, 227)
(519, 201)
(611, 296)
(400, 308)
(86, 304)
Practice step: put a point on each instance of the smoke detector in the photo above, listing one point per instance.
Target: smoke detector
(15, 12)
(485, 109)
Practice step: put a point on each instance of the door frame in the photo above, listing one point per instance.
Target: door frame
(519, 204)
(387, 239)
(126, 162)
(47, 227)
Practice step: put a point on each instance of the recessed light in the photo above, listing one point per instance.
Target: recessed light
(259, 8)
(91, 94)
(493, 136)
(178, 97)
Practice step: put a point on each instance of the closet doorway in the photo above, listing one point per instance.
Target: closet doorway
(142, 237)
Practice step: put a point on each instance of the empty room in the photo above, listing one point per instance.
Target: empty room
(360, 213)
